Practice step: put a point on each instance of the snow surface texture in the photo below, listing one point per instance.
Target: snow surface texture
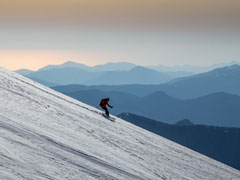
(47, 135)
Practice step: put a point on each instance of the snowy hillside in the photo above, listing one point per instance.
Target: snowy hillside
(46, 135)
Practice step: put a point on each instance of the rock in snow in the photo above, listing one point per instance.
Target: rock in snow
(47, 135)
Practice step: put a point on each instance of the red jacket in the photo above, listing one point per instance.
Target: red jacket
(105, 103)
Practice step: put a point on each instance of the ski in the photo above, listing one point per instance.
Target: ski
(108, 117)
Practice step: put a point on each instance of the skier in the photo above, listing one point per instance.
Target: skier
(104, 104)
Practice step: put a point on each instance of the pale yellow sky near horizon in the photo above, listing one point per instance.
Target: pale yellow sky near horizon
(36, 59)
(35, 33)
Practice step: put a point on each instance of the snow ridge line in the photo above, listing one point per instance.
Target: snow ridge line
(94, 111)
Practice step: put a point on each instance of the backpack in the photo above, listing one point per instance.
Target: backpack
(102, 102)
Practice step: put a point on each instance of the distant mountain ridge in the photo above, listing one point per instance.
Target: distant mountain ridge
(136, 75)
(219, 109)
(24, 72)
(117, 66)
(68, 64)
(72, 75)
(184, 122)
(45, 83)
(219, 143)
(107, 70)
(111, 66)
(179, 70)
(226, 79)
(191, 68)
(66, 75)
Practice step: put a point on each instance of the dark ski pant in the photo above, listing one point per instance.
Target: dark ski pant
(106, 110)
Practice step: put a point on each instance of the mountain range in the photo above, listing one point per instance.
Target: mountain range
(47, 135)
(219, 109)
(191, 68)
(66, 75)
(226, 79)
(221, 79)
(180, 70)
(207, 98)
(24, 72)
(219, 143)
(137, 75)
(74, 75)
(119, 66)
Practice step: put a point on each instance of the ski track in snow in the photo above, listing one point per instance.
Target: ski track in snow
(37, 137)
(47, 135)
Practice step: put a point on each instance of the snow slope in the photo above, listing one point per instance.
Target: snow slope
(47, 135)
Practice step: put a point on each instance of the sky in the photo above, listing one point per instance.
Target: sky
(145, 32)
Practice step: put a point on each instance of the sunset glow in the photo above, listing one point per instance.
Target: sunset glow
(35, 59)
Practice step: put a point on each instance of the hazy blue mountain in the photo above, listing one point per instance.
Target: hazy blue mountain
(191, 68)
(75, 87)
(135, 89)
(226, 79)
(111, 66)
(219, 143)
(137, 75)
(219, 109)
(184, 87)
(64, 75)
(178, 74)
(45, 83)
(114, 66)
(68, 64)
(184, 122)
(68, 75)
(184, 68)
(24, 72)
(109, 73)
